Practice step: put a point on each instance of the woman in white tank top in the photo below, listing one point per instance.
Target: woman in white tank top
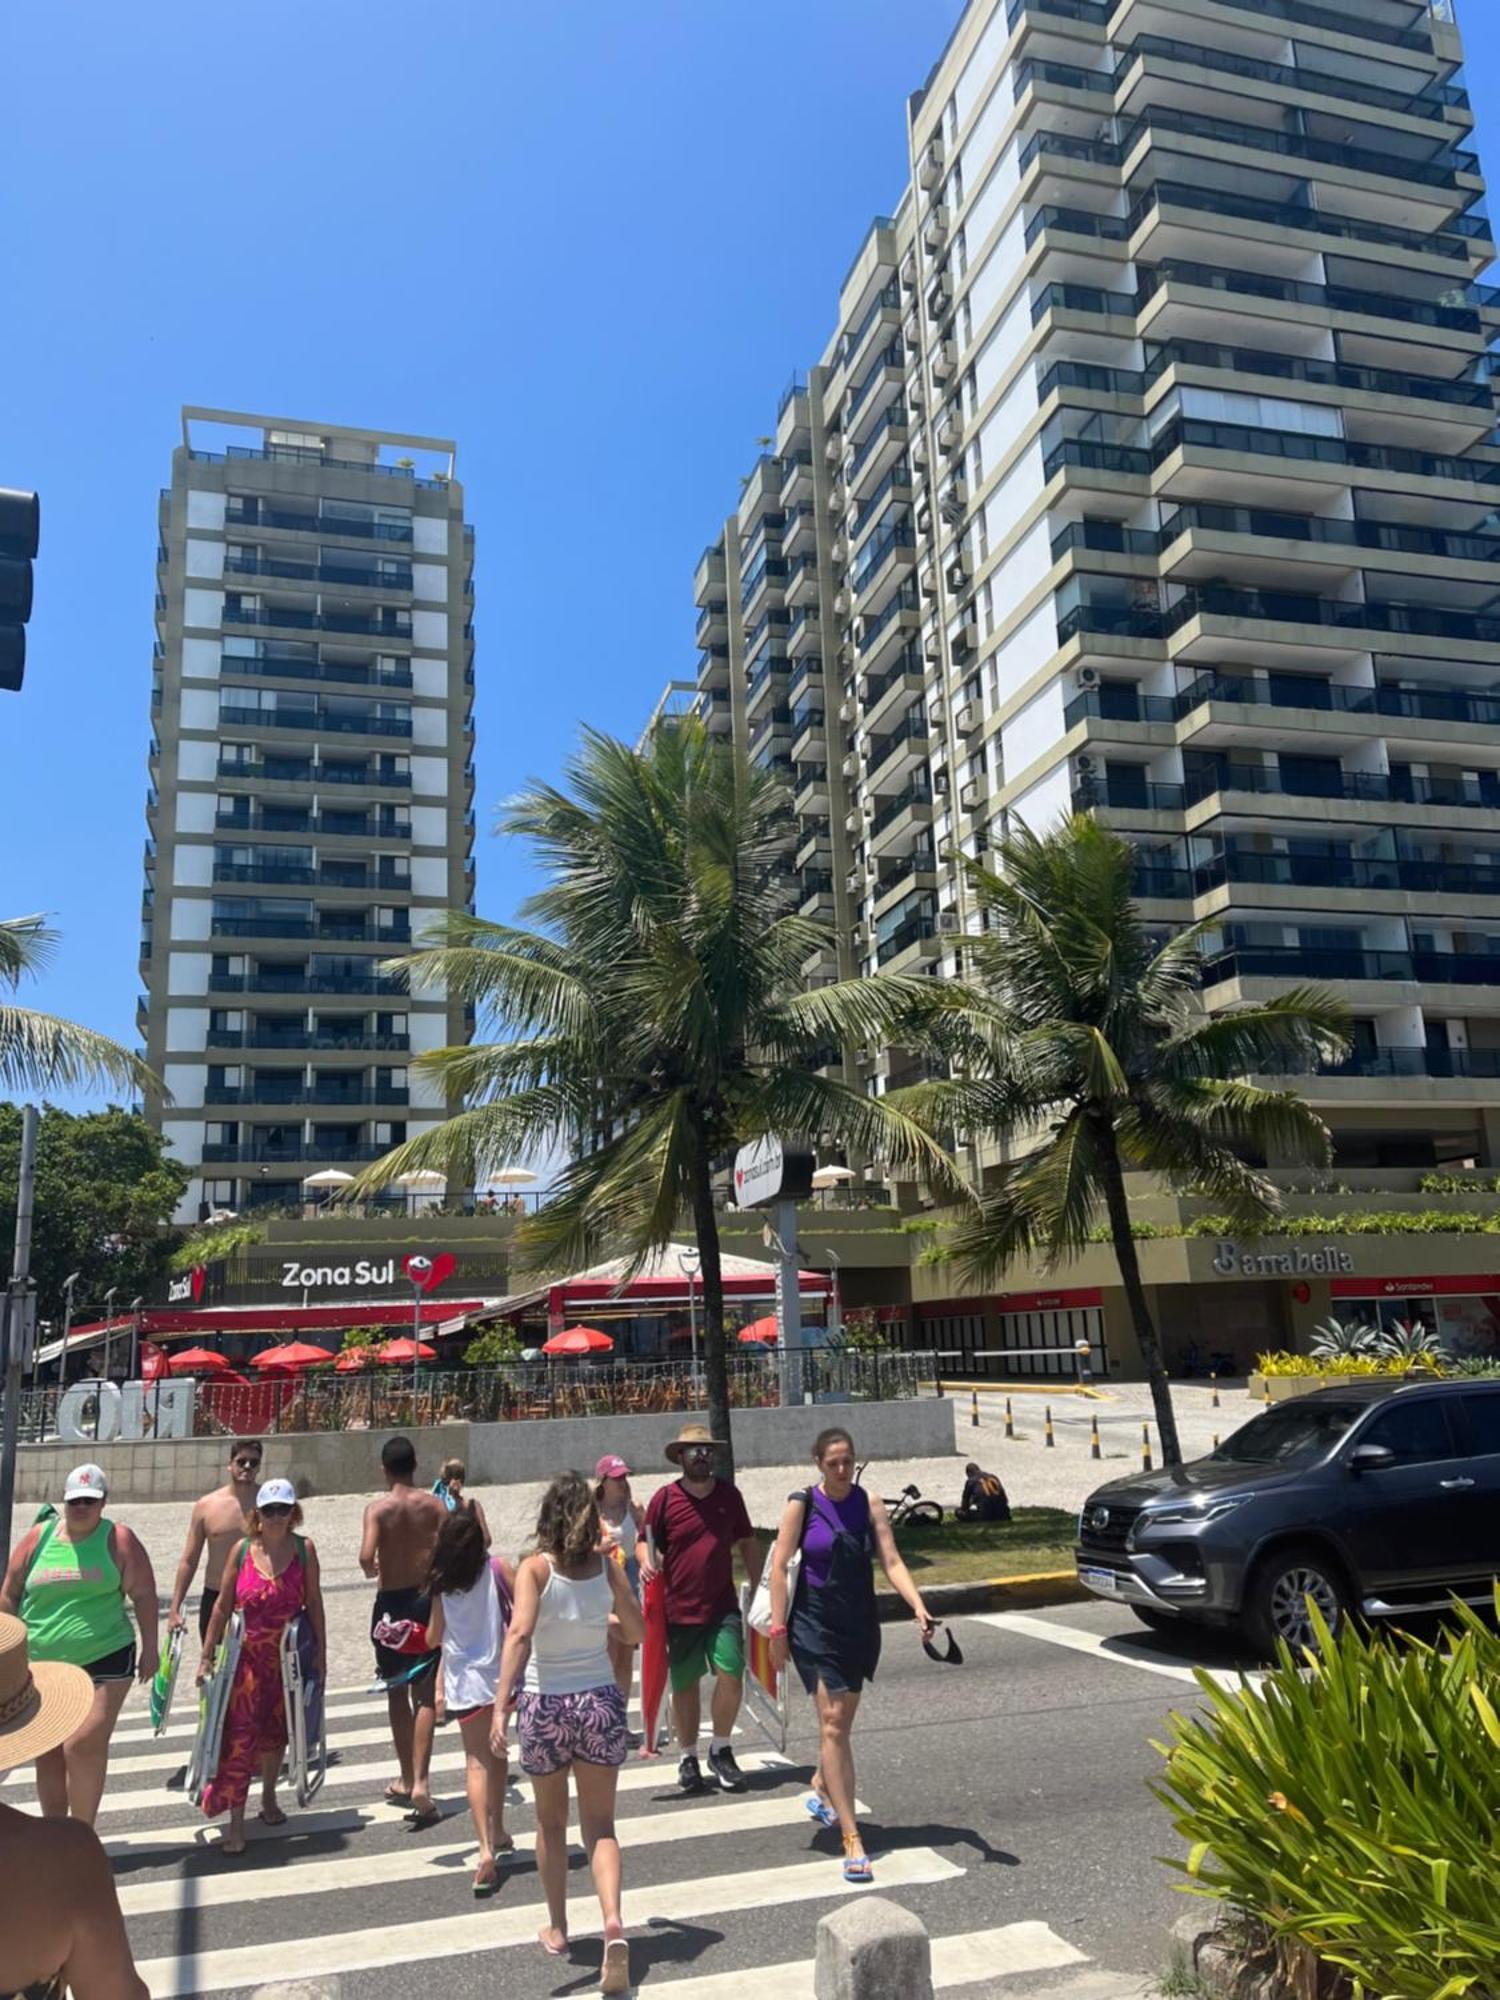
(570, 1714)
(465, 1622)
(622, 1522)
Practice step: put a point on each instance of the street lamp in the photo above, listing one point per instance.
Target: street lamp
(62, 1361)
(691, 1262)
(419, 1270)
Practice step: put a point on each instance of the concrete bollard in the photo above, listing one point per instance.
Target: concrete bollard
(1214, 1384)
(1096, 1449)
(1010, 1422)
(871, 1949)
(974, 1408)
(1047, 1438)
(1145, 1447)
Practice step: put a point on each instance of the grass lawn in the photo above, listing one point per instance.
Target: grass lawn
(1034, 1539)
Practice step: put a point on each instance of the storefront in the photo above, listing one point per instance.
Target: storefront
(1464, 1312)
(1017, 1334)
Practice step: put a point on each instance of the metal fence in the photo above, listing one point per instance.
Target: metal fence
(385, 1399)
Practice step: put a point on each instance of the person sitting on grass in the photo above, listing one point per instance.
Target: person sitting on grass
(984, 1498)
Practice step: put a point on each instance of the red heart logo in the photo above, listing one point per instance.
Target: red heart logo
(443, 1266)
(199, 1276)
(739, 1177)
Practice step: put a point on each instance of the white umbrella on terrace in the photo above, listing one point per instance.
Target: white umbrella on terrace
(510, 1177)
(827, 1177)
(329, 1177)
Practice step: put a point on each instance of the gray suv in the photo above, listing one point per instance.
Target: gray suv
(1382, 1498)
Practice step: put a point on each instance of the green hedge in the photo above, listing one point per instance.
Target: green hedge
(1349, 1811)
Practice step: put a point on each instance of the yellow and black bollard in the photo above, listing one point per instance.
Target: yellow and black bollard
(1214, 1381)
(1010, 1425)
(1216, 1441)
(1095, 1450)
(1047, 1437)
(1265, 1391)
(974, 1408)
(1145, 1447)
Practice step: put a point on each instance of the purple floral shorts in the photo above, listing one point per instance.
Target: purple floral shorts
(557, 1730)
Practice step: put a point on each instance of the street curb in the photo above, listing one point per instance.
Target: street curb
(996, 1593)
(953, 1390)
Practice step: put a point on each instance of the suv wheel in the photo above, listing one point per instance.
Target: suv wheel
(1276, 1601)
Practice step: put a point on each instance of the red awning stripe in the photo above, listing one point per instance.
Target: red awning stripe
(287, 1319)
(1429, 1287)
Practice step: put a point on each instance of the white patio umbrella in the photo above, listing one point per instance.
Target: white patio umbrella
(422, 1177)
(509, 1177)
(329, 1177)
(831, 1177)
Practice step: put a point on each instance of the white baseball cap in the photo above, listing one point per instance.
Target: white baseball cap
(277, 1493)
(86, 1482)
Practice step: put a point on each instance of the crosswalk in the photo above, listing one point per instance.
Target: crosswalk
(722, 1892)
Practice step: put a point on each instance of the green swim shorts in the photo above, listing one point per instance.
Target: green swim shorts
(696, 1650)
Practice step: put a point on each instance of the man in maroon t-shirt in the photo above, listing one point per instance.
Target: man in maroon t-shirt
(693, 1528)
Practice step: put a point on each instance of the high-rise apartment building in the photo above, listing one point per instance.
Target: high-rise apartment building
(310, 798)
(1150, 471)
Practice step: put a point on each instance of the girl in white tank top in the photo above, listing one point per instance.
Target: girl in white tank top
(465, 1622)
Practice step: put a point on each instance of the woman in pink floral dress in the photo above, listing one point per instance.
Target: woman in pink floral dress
(273, 1578)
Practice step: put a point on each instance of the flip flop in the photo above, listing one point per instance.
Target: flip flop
(820, 1810)
(486, 1884)
(856, 1866)
(227, 1847)
(276, 1818)
(953, 1657)
(395, 1796)
(418, 1822)
(615, 1970)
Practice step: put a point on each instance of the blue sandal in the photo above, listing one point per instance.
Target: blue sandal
(820, 1810)
(856, 1866)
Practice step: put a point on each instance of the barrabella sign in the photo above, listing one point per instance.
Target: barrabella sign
(1326, 1262)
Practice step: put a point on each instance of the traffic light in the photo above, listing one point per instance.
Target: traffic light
(20, 530)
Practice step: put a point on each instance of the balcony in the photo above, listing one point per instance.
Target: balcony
(915, 931)
(320, 1041)
(361, 576)
(889, 432)
(884, 546)
(1390, 164)
(251, 1152)
(1330, 871)
(1338, 698)
(1452, 241)
(321, 721)
(1341, 301)
(246, 513)
(260, 1091)
(1384, 537)
(373, 625)
(268, 819)
(1368, 787)
(885, 372)
(888, 756)
(1285, 607)
(306, 982)
(1431, 102)
(1192, 433)
(1082, 299)
(1384, 382)
(276, 666)
(1299, 962)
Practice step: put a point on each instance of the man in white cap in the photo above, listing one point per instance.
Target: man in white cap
(693, 1529)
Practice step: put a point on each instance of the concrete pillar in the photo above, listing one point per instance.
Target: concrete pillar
(1489, 1134)
(871, 1949)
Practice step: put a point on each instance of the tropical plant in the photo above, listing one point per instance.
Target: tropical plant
(1480, 1366)
(363, 1339)
(863, 1333)
(655, 1018)
(1346, 1809)
(1305, 1367)
(1411, 1344)
(213, 1241)
(1342, 1339)
(1084, 1050)
(493, 1348)
(39, 1052)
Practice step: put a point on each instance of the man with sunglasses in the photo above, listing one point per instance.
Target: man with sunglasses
(693, 1529)
(220, 1522)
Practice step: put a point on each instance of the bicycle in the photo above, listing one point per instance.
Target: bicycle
(909, 1506)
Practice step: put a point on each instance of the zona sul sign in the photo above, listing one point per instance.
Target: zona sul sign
(365, 1274)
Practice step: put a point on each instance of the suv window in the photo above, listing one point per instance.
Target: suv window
(1483, 1413)
(1416, 1432)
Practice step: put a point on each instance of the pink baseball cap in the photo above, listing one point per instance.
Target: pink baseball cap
(611, 1466)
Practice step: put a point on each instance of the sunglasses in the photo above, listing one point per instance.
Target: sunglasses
(246, 1464)
(698, 1451)
(274, 1509)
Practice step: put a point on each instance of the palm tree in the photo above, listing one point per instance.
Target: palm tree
(655, 1018)
(1083, 1048)
(38, 1052)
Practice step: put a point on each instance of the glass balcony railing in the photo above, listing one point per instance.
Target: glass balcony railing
(907, 664)
(907, 598)
(253, 514)
(887, 299)
(272, 666)
(1067, 76)
(1430, 102)
(918, 798)
(1293, 608)
(1326, 871)
(881, 546)
(916, 930)
(1329, 298)
(893, 356)
(1084, 299)
(264, 871)
(1095, 12)
(1295, 215)
(321, 1040)
(250, 1152)
(897, 480)
(1390, 163)
(376, 625)
(298, 981)
(321, 720)
(1385, 537)
(359, 576)
(1338, 698)
(1372, 787)
(891, 420)
(1192, 432)
(1355, 23)
(1257, 361)
(1077, 222)
(912, 729)
(1302, 962)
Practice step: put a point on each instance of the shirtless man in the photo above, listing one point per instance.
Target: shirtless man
(400, 1533)
(220, 1521)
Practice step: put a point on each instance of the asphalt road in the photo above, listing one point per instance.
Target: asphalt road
(1007, 1805)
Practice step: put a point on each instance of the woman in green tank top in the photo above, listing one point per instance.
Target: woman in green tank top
(68, 1579)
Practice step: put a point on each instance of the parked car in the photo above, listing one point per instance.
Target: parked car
(1381, 1498)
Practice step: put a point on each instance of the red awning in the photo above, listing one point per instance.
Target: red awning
(169, 1324)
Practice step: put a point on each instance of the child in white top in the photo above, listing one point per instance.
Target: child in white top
(466, 1621)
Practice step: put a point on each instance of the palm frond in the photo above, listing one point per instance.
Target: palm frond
(1294, 1029)
(26, 944)
(40, 1053)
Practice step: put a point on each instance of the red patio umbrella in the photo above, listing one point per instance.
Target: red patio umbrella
(198, 1361)
(579, 1340)
(396, 1351)
(296, 1354)
(759, 1333)
(353, 1359)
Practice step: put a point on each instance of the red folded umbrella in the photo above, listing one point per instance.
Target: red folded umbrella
(653, 1658)
(402, 1350)
(198, 1361)
(296, 1354)
(579, 1340)
(759, 1333)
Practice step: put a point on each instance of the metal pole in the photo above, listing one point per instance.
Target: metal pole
(788, 1298)
(62, 1359)
(109, 1328)
(416, 1348)
(16, 1322)
(135, 1339)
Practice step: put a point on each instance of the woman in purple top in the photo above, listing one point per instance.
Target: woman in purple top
(832, 1630)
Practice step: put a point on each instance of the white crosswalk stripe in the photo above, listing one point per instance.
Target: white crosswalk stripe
(343, 1890)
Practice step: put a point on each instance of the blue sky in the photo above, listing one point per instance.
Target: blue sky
(589, 241)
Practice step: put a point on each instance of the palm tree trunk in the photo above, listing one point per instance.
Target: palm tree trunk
(1118, 1209)
(716, 1367)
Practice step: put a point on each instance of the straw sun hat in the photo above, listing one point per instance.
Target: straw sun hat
(40, 1706)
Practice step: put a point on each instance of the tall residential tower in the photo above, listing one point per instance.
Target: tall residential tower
(310, 797)
(1150, 471)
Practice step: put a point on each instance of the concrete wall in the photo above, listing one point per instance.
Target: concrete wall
(496, 1454)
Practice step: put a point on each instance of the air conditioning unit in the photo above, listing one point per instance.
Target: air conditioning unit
(966, 638)
(913, 329)
(864, 1057)
(924, 519)
(850, 766)
(972, 795)
(840, 546)
(841, 602)
(940, 783)
(932, 645)
(958, 570)
(967, 719)
(851, 881)
(845, 656)
(833, 448)
(935, 229)
(944, 360)
(916, 393)
(930, 171)
(846, 712)
(927, 579)
(919, 449)
(939, 299)
(1086, 767)
(836, 498)
(1086, 678)
(947, 923)
(950, 432)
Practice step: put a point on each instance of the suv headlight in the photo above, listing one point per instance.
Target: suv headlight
(1187, 1514)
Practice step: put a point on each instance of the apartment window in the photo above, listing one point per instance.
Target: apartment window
(219, 1194)
(242, 754)
(221, 1132)
(225, 1076)
(389, 1131)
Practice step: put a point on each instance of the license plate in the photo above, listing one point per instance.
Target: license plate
(1104, 1580)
